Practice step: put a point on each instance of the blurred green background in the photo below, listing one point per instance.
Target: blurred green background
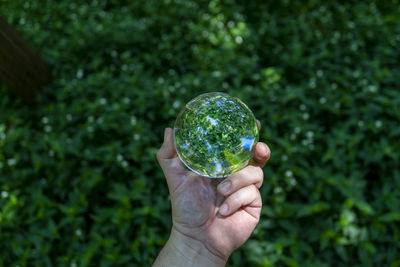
(79, 181)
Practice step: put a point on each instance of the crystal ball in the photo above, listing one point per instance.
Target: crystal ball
(215, 135)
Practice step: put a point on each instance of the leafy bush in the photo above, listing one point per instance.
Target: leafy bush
(79, 183)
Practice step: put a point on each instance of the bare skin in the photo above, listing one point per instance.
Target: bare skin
(211, 217)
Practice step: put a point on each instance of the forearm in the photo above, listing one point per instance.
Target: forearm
(183, 251)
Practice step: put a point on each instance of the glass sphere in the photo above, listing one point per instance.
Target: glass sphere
(215, 135)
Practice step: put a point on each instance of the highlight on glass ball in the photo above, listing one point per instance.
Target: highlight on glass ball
(215, 135)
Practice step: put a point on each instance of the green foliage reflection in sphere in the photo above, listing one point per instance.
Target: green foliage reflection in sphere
(215, 134)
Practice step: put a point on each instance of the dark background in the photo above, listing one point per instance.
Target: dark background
(79, 181)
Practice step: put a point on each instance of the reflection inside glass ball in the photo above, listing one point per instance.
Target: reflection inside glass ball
(215, 135)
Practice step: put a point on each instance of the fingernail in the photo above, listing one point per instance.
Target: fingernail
(223, 209)
(224, 187)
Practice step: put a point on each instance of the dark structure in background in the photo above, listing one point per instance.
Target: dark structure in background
(21, 70)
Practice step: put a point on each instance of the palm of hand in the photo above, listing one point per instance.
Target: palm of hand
(195, 205)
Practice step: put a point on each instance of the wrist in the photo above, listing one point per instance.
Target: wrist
(181, 250)
(194, 248)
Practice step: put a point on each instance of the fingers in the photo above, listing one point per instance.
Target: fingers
(258, 124)
(241, 188)
(261, 155)
(245, 177)
(246, 196)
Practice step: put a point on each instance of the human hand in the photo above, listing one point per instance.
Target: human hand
(210, 218)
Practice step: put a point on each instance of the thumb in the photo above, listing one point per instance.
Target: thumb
(169, 162)
(167, 156)
(167, 150)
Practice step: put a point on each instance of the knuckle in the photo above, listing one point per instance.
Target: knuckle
(247, 172)
(159, 154)
(252, 192)
(235, 179)
(246, 193)
(256, 173)
(236, 201)
(236, 198)
(254, 189)
(259, 174)
(240, 178)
